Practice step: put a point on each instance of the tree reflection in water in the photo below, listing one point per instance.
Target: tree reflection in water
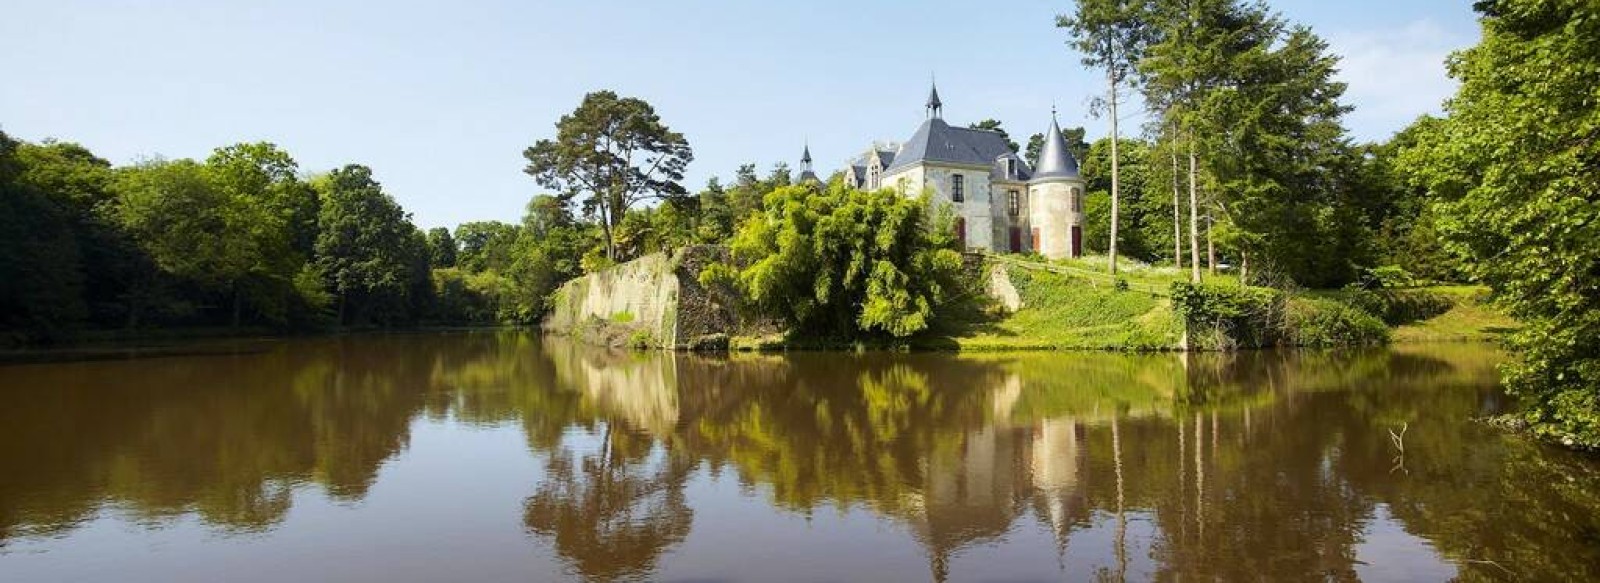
(1260, 465)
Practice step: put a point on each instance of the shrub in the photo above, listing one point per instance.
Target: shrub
(847, 263)
(1220, 317)
(1322, 322)
(1396, 307)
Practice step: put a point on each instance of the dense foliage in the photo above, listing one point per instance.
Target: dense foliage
(1223, 317)
(1515, 168)
(845, 263)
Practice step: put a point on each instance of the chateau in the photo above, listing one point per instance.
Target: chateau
(1001, 203)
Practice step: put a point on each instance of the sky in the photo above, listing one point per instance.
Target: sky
(440, 98)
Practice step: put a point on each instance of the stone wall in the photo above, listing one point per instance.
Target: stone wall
(655, 300)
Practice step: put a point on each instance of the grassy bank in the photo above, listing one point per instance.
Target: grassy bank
(1076, 305)
(1065, 309)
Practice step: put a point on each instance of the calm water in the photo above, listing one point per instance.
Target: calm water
(507, 457)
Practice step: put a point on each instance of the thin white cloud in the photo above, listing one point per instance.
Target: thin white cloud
(1395, 74)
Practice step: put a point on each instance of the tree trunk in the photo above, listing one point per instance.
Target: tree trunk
(1115, 171)
(1194, 214)
(238, 301)
(605, 228)
(1244, 267)
(1211, 245)
(342, 295)
(1177, 205)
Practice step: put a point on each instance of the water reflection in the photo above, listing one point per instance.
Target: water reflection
(1264, 465)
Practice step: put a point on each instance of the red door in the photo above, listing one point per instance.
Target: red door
(1077, 241)
(1016, 239)
(961, 232)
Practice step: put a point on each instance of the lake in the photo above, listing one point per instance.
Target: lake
(505, 456)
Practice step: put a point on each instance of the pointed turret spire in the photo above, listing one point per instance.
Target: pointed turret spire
(806, 174)
(1055, 160)
(935, 107)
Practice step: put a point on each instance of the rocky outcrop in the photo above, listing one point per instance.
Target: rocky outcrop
(654, 301)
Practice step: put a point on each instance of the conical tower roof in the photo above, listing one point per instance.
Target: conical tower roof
(1055, 160)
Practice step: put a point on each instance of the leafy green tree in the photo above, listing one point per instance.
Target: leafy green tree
(367, 248)
(268, 176)
(994, 126)
(844, 263)
(169, 206)
(41, 295)
(1398, 209)
(261, 183)
(1514, 168)
(485, 245)
(1112, 35)
(1146, 224)
(441, 247)
(116, 274)
(617, 151)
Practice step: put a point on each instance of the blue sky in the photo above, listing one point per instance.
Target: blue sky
(440, 98)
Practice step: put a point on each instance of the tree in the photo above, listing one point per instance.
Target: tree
(261, 182)
(1513, 168)
(842, 262)
(263, 172)
(994, 126)
(168, 206)
(81, 187)
(485, 245)
(1144, 221)
(1112, 35)
(617, 151)
(441, 248)
(366, 247)
(41, 294)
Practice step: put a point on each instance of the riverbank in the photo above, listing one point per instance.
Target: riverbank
(1070, 305)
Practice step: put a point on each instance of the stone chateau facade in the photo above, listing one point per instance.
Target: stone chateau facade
(1002, 204)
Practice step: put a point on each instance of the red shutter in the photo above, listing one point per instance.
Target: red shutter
(1036, 239)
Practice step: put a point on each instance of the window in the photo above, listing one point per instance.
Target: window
(958, 191)
(1011, 167)
(1014, 202)
(1077, 200)
(872, 178)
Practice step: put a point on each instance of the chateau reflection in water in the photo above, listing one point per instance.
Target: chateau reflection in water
(1253, 466)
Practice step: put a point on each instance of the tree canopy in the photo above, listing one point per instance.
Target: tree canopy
(616, 153)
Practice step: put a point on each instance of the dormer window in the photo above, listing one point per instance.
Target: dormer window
(958, 190)
(872, 178)
(1011, 168)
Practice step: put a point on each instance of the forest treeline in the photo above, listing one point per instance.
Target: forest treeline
(246, 238)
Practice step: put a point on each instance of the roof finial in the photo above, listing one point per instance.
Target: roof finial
(1052, 110)
(805, 156)
(935, 107)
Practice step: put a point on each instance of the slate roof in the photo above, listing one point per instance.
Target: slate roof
(937, 141)
(1055, 160)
